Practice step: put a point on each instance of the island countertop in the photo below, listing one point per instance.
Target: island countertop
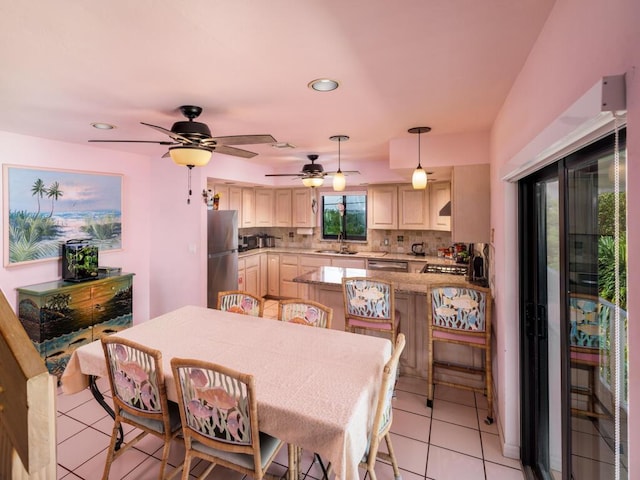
(403, 282)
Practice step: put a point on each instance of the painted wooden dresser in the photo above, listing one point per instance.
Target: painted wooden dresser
(60, 316)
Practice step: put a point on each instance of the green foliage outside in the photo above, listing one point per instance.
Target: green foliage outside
(606, 248)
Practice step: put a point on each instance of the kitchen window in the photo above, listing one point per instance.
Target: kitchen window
(346, 214)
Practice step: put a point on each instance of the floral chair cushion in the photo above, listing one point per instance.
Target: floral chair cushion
(589, 320)
(216, 405)
(238, 303)
(135, 379)
(304, 314)
(459, 308)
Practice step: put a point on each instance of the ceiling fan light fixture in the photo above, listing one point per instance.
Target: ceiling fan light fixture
(419, 177)
(312, 181)
(190, 156)
(339, 180)
(323, 85)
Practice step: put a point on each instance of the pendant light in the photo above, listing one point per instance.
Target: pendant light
(419, 178)
(339, 180)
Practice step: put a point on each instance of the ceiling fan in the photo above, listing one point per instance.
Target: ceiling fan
(312, 174)
(192, 140)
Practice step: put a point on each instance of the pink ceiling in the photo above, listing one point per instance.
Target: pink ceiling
(401, 64)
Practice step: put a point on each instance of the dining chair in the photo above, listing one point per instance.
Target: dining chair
(460, 315)
(589, 320)
(384, 416)
(139, 398)
(219, 412)
(305, 312)
(369, 305)
(237, 301)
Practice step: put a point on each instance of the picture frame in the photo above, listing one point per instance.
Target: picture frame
(43, 208)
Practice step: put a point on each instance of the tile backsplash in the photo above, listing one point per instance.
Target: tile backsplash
(394, 241)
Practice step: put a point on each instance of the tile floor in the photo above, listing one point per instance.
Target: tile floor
(450, 441)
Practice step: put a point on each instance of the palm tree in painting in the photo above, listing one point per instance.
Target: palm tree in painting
(38, 190)
(53, 192)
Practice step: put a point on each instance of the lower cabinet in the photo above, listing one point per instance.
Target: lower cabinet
(288, 271)
(61, 316)
(252, 275)
(273, 273)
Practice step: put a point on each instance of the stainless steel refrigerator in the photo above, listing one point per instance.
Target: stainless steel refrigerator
(222, 258)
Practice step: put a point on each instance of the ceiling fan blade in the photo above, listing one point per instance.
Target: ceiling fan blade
(134, 141)
(283, 175)
(244, 139)
(173, 135)
(346, 172)
(236, 152)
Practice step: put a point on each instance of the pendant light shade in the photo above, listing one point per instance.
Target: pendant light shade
(190, 156)
(419, 177)
(339, 180)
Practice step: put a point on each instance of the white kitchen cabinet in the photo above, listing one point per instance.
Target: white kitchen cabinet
(241, 274)
(248, 208)
(288, 271)
(470, 204)
(252, 275)
(382, 207)
(235, 202)
(264, 207)
(439, 197)
(306, 264)
(273, 274)
(348, 262)
(413, 208)
(264, 275)
(302, 207)
(282, 208)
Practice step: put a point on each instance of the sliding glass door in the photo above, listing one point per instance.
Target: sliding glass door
(573, 342)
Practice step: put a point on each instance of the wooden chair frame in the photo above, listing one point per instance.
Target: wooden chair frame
(384, 416)
(240, 293)
(389, 325)
(124, 413)
(482, 336)
(227, 449)
(298, 305)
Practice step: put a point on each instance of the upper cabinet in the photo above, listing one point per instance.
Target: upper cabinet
(304, 207)
(470, 204)
(440, 206)
(382, 207)
(413, 208)
(264, 207)
(248, 208)
(282, 210)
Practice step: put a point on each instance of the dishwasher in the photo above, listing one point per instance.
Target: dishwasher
(388, 265)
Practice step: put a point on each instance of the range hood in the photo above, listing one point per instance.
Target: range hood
(446, 210)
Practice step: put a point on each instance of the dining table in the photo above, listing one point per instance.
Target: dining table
(316, 388)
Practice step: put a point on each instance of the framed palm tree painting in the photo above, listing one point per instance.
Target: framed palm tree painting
(45, 207)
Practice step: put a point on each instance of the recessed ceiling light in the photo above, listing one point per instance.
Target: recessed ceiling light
(323, 85)
(103, 126)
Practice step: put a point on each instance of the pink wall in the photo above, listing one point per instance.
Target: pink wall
(134, 256)
(582, 41)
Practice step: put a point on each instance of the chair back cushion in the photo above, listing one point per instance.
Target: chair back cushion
(303, 314)
(368, 298)
(589, 321)
(459, 308)
(239, 303)
(216, 405)
(134, 377)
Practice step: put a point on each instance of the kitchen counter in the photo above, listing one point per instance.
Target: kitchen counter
(414, 283)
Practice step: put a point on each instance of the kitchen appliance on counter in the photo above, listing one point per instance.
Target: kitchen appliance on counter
(248, 242)
(418, 249)
(222, 253)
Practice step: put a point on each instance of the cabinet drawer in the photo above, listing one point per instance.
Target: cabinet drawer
(253, 261)
(289, 259)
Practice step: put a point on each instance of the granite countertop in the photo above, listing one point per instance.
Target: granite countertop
(364, 254)
(404, 282)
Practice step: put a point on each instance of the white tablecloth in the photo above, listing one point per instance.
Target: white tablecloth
(316, 388)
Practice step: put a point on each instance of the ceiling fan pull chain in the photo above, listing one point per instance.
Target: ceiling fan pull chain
(189, 184)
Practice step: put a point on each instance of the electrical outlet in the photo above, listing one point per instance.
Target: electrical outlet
(290, 234)
(386, 242)
(400, 238)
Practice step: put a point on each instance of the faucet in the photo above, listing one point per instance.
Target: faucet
(343, 248)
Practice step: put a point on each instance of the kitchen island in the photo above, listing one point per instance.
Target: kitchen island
(325, 286)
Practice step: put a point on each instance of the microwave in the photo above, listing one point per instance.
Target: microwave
(248, 242)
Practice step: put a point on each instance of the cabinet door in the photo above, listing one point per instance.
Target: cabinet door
(346, 262)
(302, 207)
(248, 208)
(252, 280)
(264, 208)
(282, 209)
(413, 208)
(274, 274)
(440, 196)
(288, 271)
(235, 202)
(382, 207)
(264, 275)
(470, 209)
(242, 269)
(309, 263)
